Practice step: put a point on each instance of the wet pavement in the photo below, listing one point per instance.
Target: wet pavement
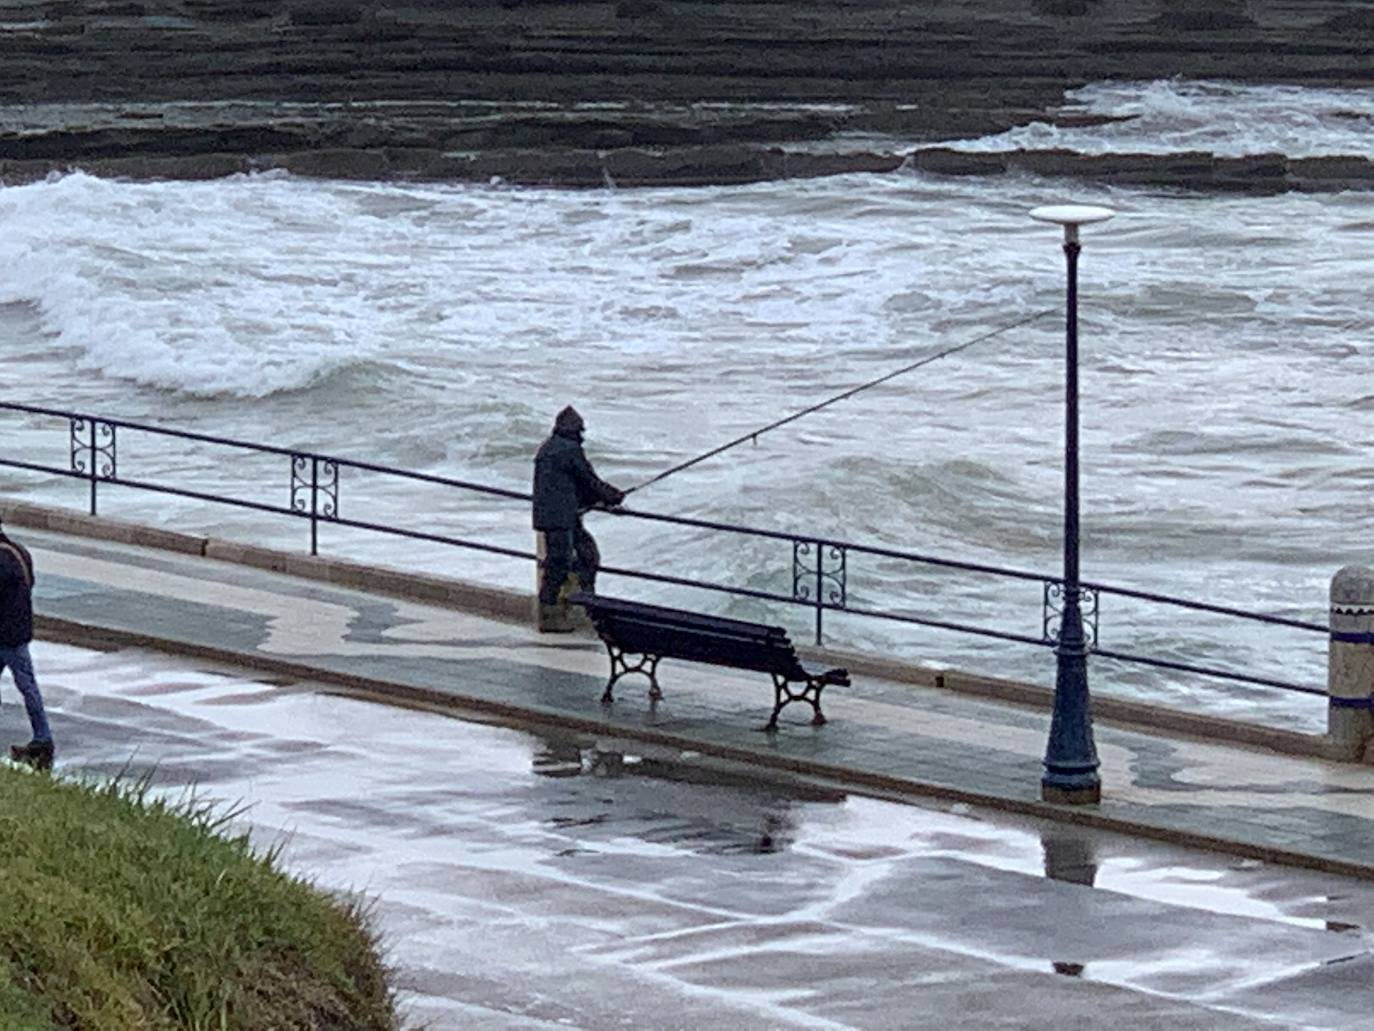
(528, 879)
(882, 735)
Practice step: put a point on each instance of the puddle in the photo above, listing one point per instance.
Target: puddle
(508, 867)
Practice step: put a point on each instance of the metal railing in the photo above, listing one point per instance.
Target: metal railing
(821, 566)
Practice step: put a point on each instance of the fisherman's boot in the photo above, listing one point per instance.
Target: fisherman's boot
(559, 618)
(553, 619)
(37, 754)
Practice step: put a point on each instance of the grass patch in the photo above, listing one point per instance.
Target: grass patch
(121, 910)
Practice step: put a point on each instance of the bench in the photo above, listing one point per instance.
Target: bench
(654, 633)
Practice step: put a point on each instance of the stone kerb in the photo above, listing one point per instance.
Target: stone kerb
(1350, 665)
(38, 517)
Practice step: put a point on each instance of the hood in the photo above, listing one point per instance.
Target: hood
(568, 423)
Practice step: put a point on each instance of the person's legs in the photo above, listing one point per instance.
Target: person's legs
(558, 557)
(588, 558)
(39, 751)
(21, 668)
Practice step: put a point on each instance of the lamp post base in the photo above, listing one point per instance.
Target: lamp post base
(1090, 794)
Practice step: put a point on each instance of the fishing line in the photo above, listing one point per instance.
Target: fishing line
(755, 434)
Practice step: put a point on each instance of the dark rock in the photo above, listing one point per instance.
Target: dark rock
(942, 161)
(334, 163)
(324, 14)
(683, 77)
(218, 11)
(1062, 8)
(1349, 168)
(637, 8)
(1360, 20)
(1212, 16)
(1085, 121)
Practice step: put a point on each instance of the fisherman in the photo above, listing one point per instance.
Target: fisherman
(565, 486)
(16, 631)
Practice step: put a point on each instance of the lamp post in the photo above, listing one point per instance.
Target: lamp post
(1070, 756)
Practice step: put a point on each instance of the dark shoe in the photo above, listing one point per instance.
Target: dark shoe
(37, 754)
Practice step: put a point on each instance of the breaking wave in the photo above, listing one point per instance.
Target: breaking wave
(1222, 118)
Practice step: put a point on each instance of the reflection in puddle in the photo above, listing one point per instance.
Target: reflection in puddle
(754, 819)
(1069, 857)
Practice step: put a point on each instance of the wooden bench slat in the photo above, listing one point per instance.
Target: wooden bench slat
(641, 610)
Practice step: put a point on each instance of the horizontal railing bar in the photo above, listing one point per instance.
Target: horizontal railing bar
(705, 585)
(1204, 606)
(420, 535)
(278, 510)
(804, 603)
(964, 628)
(156, 488)
(705, 524)
(204, 438)
(977, 567)
(820, 542)
(272, 450)
(15, 463)
(1210, 671)
(182, 492)
(443, 481)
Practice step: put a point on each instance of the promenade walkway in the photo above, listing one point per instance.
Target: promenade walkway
(884, 736)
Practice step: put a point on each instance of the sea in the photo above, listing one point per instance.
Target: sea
(1226, 378)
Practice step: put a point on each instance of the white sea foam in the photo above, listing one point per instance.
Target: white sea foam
(229, 288)
(252, 286)
(1221, 118)
(1226, 354)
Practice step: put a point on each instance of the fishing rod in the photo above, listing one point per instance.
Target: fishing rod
(754, 435)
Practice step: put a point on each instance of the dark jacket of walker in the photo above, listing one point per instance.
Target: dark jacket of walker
(16, 594)
(565, 485)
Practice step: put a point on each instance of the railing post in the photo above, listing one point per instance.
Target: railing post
(820, 586)
(811, 577)
(87, 451)
(314, 505)
(1350, 662)
(328, 509)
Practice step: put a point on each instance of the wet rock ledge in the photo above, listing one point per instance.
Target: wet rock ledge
(630, 92)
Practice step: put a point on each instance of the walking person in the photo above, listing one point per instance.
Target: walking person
(16, 631)
(565, 486)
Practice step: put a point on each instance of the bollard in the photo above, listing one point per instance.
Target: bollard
(559, 618)
(1350, 664)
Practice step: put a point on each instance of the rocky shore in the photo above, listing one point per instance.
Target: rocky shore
(632, 92)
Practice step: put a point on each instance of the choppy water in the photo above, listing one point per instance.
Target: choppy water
(1226, 371)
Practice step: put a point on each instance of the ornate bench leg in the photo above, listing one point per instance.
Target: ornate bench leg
(647, 664)
(783, 694)
(814, 688)
(618, 670)
(779, 691)
(654, 693)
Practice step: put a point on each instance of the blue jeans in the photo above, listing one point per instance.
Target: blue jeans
(21, 668)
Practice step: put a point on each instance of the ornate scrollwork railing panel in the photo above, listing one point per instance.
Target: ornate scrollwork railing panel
(315, 491)
(93, 451)
(327, 488)
(302, 484)
(820, 574)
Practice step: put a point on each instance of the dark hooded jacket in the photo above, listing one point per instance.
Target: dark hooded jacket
(565, 485)
(16, 594)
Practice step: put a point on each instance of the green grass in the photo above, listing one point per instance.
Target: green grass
(120, 910)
